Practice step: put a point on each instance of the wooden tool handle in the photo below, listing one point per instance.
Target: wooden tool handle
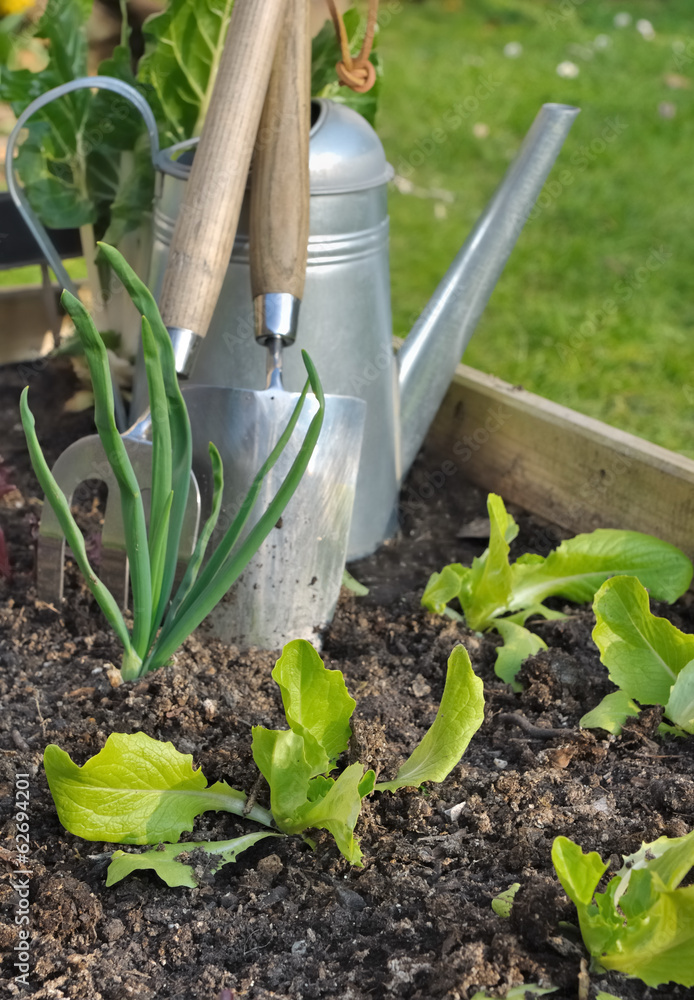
(280, 193)
(204, 234)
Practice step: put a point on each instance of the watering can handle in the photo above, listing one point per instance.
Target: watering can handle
(206, 225)
(19, 198)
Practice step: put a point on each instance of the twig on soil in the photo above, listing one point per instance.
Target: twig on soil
(44, 604)
(41, 718)
(540, 732)
(253, 795)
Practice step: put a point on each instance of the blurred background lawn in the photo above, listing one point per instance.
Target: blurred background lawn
(595, 307)
(619, 229)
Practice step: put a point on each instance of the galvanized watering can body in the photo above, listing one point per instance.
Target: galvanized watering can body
(346, 323)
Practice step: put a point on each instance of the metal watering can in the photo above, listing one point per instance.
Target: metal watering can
(347, 289)
(347, 292)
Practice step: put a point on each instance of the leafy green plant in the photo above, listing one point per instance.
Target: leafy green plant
(495, 594)
(85, 161)
(649, 659)
(138, 790)
(326, 53)
(160, 623)
(503, 903)
(642, 924)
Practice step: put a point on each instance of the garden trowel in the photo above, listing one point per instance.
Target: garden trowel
(291, 587)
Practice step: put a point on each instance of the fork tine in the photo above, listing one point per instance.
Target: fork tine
(85, 459)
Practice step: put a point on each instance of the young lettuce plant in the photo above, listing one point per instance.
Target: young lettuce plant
(495, 594)
(643, 924)
(138, 790)
(648, 658)
(160, 623)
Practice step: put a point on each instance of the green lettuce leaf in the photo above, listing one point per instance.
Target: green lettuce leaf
(284, 760)
(644, 655)
(487, 590)
(580, 876)
(519, 644)
(643, 924)
(443, 588)
(503, 903)
(316, 701)
(460, 715)
(492, 590)
(338, 810)
(173, 863)
(294, 761)
(581, 565)
(680, 704)
(611, 713)
(136, 790)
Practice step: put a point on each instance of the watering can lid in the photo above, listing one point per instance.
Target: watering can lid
(345, 154)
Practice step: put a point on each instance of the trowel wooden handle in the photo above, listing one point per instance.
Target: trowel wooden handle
(280, 180)
(204, 234)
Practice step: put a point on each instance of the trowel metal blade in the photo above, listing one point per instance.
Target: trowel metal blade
(291, 587)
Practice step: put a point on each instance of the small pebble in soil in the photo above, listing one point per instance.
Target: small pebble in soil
(454, 812)
(420, 688)
(269, 866)
(351, 899)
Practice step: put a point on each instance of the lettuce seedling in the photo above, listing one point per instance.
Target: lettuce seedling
(648, 658)
(503, 903)
(138, 790)
(162, 620)
(495, 594)
(643, 924)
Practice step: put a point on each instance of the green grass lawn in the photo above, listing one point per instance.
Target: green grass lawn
(595, 307)
(32, 275)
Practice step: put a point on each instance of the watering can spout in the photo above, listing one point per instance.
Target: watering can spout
(435, 345)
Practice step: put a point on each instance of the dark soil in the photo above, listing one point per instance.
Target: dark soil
(416, 921)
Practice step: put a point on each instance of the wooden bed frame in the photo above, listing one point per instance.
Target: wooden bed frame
(574, 471)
